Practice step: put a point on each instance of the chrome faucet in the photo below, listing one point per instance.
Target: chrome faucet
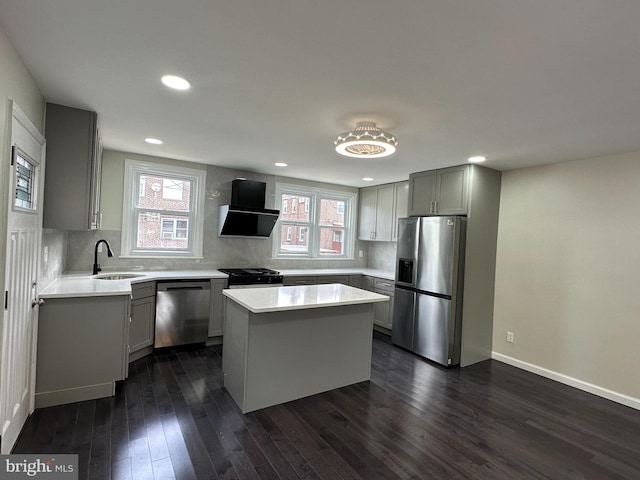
(96, 266)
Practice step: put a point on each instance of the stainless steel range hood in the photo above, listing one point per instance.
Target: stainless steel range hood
(246, 215)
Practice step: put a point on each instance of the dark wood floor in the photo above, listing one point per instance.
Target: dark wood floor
(413, 420)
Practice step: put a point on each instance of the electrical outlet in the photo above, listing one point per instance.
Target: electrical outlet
(360, 253)
(510, 337)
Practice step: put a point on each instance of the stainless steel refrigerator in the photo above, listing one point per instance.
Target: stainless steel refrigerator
(427, 310)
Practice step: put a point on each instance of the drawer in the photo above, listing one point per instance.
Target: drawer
(382, 284)
(299, 280)
(143, 290)
(344, 279)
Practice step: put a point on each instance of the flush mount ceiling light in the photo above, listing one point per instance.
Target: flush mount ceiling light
(178, 83)
(366, 140)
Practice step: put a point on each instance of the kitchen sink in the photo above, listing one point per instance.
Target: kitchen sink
(118, 276)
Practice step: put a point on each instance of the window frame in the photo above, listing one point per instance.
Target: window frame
(316, 194)
(134, 169)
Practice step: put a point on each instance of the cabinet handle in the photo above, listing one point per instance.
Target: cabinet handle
(435, 206)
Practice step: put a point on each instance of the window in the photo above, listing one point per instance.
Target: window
(322, 229)
(162, 210)
(175, 229)
(25, 182)
(172, 189)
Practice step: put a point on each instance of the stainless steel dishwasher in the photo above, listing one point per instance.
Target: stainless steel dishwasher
(182, 312)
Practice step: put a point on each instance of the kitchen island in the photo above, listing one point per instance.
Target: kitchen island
(285, 343)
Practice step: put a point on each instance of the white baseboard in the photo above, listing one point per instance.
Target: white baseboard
(627, 400)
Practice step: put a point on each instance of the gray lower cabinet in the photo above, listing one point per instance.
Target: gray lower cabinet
(367, 283)
(383, 311)
(142, 320)
(324, 279)
(216, 317)
(300, 280)
(82, 348)
(351, 280)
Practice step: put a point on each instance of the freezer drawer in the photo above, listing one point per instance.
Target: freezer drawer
(434, 330)
(182, 313)
(403, 318)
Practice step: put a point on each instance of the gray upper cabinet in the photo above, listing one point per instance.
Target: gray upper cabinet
(439, 192)
(73, 169)
(401, 205)
(377, 213)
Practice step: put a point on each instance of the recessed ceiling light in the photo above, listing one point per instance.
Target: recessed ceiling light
(367, 179)
(173, 81)
(281, 164)
(153, 141)
(477, 159)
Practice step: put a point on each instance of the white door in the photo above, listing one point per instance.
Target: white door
(24, 233)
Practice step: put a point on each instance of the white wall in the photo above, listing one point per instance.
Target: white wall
(15, 84)
(568, 270)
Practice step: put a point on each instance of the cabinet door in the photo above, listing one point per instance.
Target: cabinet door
(401, 206)
(367, 213)
(95, 215)
(73, 169)
(452, 191)
(381, 314)
(384, 214)
(355, 281)
(367, 283)
(141, 327)
(422, 192)
(216, 316)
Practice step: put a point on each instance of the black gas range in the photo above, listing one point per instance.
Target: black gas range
(252, 277)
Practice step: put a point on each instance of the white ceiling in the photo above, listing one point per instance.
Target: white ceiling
(523, 82)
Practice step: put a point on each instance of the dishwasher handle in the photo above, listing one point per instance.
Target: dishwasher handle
(167, 286)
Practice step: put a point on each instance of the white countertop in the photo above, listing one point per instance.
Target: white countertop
(276, 299)
(87, 285)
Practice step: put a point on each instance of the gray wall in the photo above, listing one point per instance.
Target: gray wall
(218, 252)
(568, 270)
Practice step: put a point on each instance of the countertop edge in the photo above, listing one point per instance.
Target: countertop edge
(371, 297)
(83, 284)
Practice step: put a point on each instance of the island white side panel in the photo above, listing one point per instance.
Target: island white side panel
(234, 351)
(294, 354)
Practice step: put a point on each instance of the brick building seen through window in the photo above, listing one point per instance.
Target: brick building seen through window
(295, 217)
(161, 223)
